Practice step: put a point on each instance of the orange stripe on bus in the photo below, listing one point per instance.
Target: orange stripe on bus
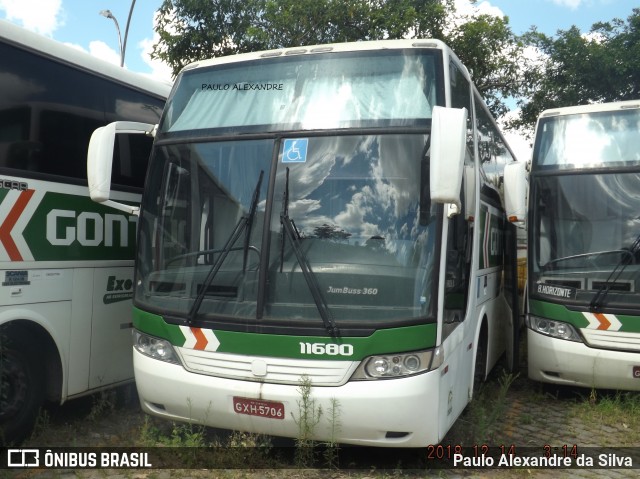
(201, 340)
(604, 322)
(9, 223)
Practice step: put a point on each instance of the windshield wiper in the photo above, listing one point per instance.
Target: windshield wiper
(291, 232)
(627, 258)
(550, 264)
(243, 224)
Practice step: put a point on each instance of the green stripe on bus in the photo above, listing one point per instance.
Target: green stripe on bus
(383, 341)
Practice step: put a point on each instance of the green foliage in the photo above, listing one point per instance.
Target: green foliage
(309, 416)
(192, 30)
(602, 66)
(104, 403)
(483, 421)
(613, 409)
(493, 54)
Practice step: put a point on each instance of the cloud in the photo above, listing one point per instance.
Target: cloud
(572, 4)
(465, 10)
(159, 69)
(35, 15)
(99, 49)
(465, 7)
(518, 140)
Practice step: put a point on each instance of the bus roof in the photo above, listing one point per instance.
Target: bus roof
(330, 47)
(46, 47)
(593, 108)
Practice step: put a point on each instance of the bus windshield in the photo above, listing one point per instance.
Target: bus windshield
(588, 140)
(585, 228)
(347, 207)
(322, 213)
(306, 92)
(585, 222)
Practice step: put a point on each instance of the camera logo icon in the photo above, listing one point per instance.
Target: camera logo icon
(23, 458)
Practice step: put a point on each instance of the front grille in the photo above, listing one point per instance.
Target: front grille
(278, 370)
(612, 339)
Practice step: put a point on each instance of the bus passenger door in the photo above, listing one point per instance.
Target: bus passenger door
(458, 356)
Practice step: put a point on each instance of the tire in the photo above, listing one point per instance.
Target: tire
(21, 390)
(480, 366)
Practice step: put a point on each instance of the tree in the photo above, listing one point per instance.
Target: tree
(192, 30)
(602, 66)
(494, 55)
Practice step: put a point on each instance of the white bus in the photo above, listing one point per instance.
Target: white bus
(66, 263)
(584, 247)
(327, 216)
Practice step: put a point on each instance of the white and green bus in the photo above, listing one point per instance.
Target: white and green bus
(326, 217)
(66, 263)
(583, 220)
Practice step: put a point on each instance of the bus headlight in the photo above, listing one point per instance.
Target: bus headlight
(398, 365)
(555, 329)
(155, 348)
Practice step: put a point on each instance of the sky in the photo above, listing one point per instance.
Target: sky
(78, 23)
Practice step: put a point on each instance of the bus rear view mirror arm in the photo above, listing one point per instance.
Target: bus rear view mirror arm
(100, 160)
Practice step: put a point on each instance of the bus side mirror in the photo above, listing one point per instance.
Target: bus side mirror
(100, 160)
(448, 143)
(515, 191)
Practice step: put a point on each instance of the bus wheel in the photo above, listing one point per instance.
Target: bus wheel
(481, 364)
(21, 391)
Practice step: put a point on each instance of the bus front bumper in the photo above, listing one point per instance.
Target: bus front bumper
(570, 363)
(389, 413)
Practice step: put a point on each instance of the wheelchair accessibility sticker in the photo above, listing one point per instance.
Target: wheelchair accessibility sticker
(295, 150)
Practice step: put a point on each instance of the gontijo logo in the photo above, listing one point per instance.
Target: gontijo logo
(87, 228)
(40, 225)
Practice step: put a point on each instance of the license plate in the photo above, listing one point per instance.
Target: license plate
(258, 407)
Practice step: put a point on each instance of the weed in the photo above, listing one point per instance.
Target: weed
(308, 418)
(617, 409)
(149, 433)
(187, 435)
(104, 403)
(331, 446)
(248, 439)
(484, 416)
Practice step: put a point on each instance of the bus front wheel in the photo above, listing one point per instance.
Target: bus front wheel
(21, 390)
